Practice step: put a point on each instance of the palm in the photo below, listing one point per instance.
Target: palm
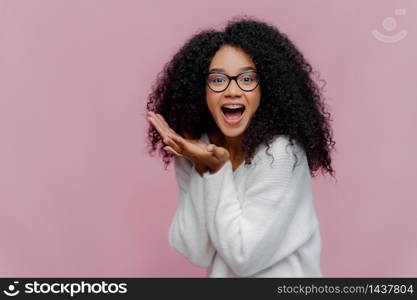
(195, 149)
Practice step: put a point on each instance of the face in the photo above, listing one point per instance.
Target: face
(232, 61)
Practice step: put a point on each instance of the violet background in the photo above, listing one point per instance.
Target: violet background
(79, 196)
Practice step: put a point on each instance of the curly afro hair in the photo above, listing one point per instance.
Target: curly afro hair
(291, 102)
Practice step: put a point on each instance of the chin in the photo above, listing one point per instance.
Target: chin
(232, 130)
(230, 134)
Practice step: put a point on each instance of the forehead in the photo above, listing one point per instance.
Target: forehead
(231, 59)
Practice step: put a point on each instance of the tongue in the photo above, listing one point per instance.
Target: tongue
(233, 115)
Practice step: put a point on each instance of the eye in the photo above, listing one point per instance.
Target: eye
(218, 80)
(247, 78)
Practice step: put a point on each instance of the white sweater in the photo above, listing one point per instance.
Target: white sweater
(258, 221)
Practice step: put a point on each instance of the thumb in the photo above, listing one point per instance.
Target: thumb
(219, 152)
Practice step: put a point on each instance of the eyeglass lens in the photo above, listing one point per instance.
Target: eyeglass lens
(246, 81)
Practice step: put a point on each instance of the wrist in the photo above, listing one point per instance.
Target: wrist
(217, 167)
(200, 168)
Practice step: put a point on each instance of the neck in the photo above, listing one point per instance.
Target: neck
(232, 144)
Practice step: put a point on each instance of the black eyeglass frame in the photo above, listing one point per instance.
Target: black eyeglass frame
(230, 78)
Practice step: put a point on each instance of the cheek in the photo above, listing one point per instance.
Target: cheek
(211, 101)
(255, 101)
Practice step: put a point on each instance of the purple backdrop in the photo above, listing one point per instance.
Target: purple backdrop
(80, 197)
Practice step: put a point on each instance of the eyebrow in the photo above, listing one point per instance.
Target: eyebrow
(241, 69)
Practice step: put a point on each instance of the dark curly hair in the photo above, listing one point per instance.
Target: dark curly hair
(291, 102)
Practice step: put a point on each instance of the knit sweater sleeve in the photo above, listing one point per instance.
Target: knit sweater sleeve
(188, 232)
(272, 220)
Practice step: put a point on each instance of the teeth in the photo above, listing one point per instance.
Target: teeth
(233, 106)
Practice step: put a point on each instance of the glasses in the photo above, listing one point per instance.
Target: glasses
(246, 81)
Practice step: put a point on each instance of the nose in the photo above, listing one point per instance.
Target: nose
(233, 89)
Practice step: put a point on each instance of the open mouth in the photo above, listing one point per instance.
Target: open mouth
(233, 113)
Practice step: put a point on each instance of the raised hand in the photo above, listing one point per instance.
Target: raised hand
(202, 154)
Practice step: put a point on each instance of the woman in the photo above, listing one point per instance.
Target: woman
(245, 122)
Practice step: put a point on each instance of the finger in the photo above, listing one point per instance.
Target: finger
(220, 152)
(169, 132)
(169, 149)
(156, 123)
(161, 118)
(166, 126)
(171, 141)
(184, 145)
(210, 147)
(166, 137)
(179, 140)
(172, 144)
(176, 143)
